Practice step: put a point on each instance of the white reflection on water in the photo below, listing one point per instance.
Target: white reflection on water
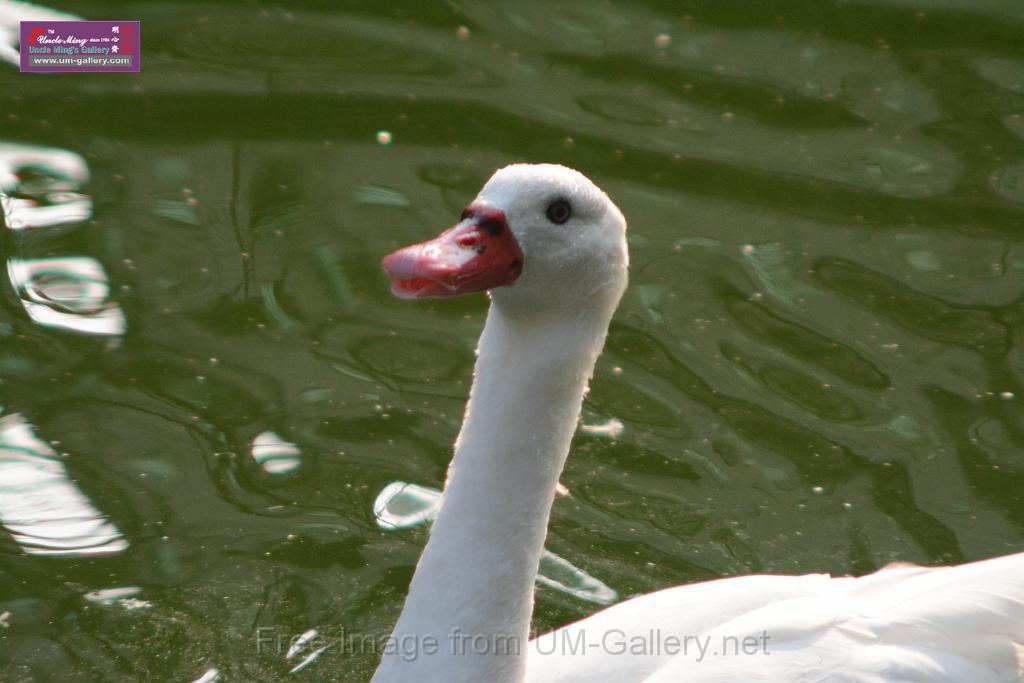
(42, 187)
(69, 293)
(611, 429)
(11, 16)
(309, 659)
(209, 676)
(558, 573)
(274, 455)
(40, 506)
(301, 642)
(401, 505)
(300, 645)
(123, 596)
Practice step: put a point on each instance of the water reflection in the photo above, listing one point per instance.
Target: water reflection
(40, 506)
(125, 597)
(401, 505)
(560, 574)
(209, 676)
(300, 645)
(611, 429)
(67, 293)
(274, 455)
(42, 187)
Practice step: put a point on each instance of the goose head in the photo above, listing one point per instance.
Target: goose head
(538, 238)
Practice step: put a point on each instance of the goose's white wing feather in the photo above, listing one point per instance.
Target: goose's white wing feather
(604, 645)
(952, 624)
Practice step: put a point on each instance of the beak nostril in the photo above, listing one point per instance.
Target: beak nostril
(477, 254)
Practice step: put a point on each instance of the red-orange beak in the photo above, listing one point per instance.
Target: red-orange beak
(478, 254)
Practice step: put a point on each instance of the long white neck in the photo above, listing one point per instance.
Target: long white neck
(467, 615)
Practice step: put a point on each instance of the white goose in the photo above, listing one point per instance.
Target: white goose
(551, 249)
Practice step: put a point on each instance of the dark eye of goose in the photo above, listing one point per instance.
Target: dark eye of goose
(559, 211)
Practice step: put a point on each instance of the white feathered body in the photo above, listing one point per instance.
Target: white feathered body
(962, 624)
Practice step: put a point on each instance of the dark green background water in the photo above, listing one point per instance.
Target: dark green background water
(826, 207)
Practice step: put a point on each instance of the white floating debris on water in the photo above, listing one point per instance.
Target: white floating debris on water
(462, 32)
(383, 138)
(12, 14)
(274, 455)
(402, 505)
(562, 490)
(611, 429)
(1007, 395)
(40, 506)
(68, 293)
(211, 675)
(5, 619)
(747, 249)
(818, 490)
(124, 596)
(42, 187)
(662, 40)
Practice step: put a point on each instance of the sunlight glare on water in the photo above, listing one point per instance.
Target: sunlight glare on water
(816, 368)
(40, 506)
(70, 293)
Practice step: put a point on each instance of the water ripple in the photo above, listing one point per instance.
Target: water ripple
(816, 367)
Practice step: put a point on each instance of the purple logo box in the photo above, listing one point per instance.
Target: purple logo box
(79, 46)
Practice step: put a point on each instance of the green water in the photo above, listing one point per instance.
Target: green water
(818, 365)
